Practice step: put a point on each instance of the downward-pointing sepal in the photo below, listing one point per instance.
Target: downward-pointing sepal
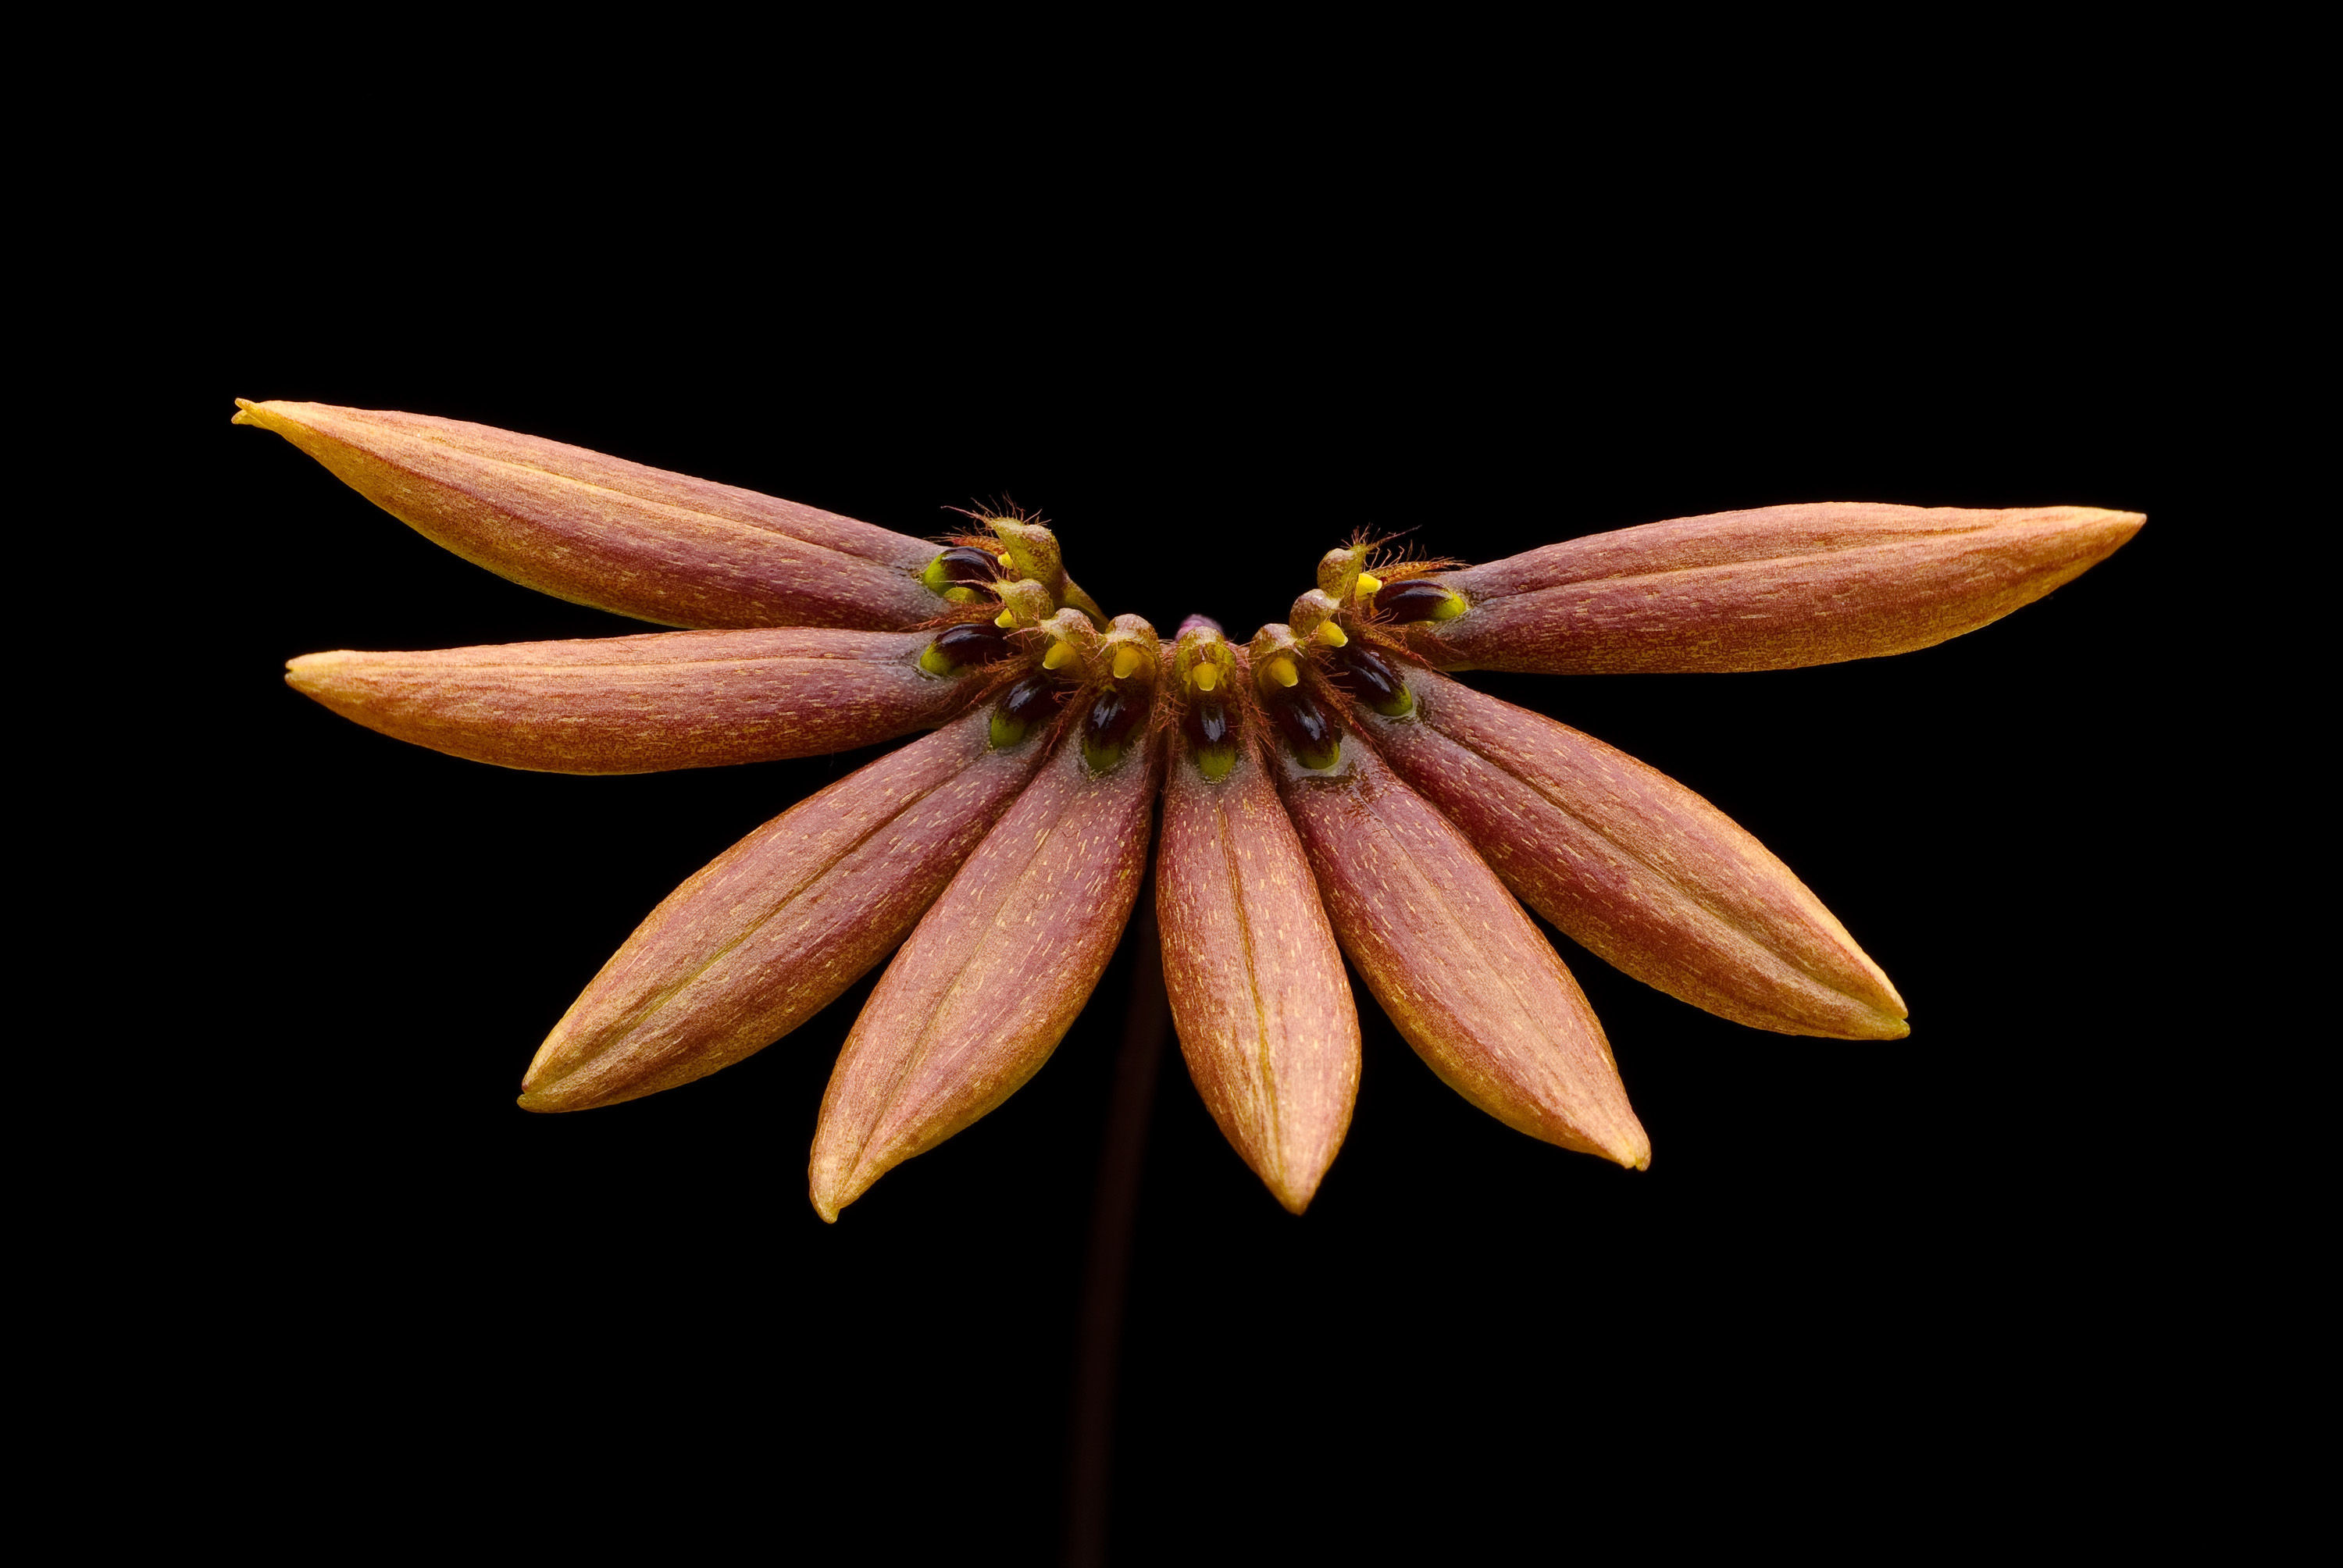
(618, 535)
(996, 972)
(1471, 984)
(1265, 1012)
(667, 699)
(1775, 588)
(1636, 868)
(775, 927)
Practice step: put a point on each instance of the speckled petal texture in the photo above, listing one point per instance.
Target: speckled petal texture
(775, 927)
(1263, 1009)
(995, 974)
(1473, 985)
(643, 704)
(597, 530)
(1636, 868)
(1771, 589)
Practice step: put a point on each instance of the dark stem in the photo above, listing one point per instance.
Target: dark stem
(1107, 1278)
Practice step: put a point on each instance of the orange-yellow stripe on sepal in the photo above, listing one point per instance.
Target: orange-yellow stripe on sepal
(643, 704)
(598, 530)
(1471, 984)
(778, 926)
(995, 973)
(1265, 1012)
(1775, 588)
(1636, 868)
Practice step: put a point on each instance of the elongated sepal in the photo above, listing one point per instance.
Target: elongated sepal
(1638, 869)
(1772, 588)
(599, 531)
(645, 704)
(1471, 982)
(773, 930)
(1265, 1012)
(994, 975)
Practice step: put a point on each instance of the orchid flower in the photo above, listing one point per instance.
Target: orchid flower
(1326, 789)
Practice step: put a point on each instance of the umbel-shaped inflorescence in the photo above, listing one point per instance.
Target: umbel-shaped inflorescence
(1327, 789)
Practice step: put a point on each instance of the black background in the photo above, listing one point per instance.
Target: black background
(1912, 1273)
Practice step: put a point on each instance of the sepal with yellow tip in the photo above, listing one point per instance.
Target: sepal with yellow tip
(1775, 588)
(1265, 1012)
(661, 700)
(600, 531)
(993, 976)
(1636, 868)
(779, 925)
(1471, 982)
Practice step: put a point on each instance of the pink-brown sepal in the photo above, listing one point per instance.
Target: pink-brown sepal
(775, 927)
(644, 704)
(1265, 1013)
(996, 972)
(1471, 982)
(1775, 588)
(1636, 868)
(598, 530)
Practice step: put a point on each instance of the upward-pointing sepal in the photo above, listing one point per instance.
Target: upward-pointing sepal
(618, 535)
(1471, 984)
(996, 972)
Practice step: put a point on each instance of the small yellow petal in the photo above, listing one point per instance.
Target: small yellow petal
(1005, 618)
(1126, 660)
(1330, 634)
(1061, 655)
(1368, 585)
(1281, 671)
(1205, 676)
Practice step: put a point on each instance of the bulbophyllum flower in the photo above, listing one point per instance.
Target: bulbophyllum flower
(1326, 787)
